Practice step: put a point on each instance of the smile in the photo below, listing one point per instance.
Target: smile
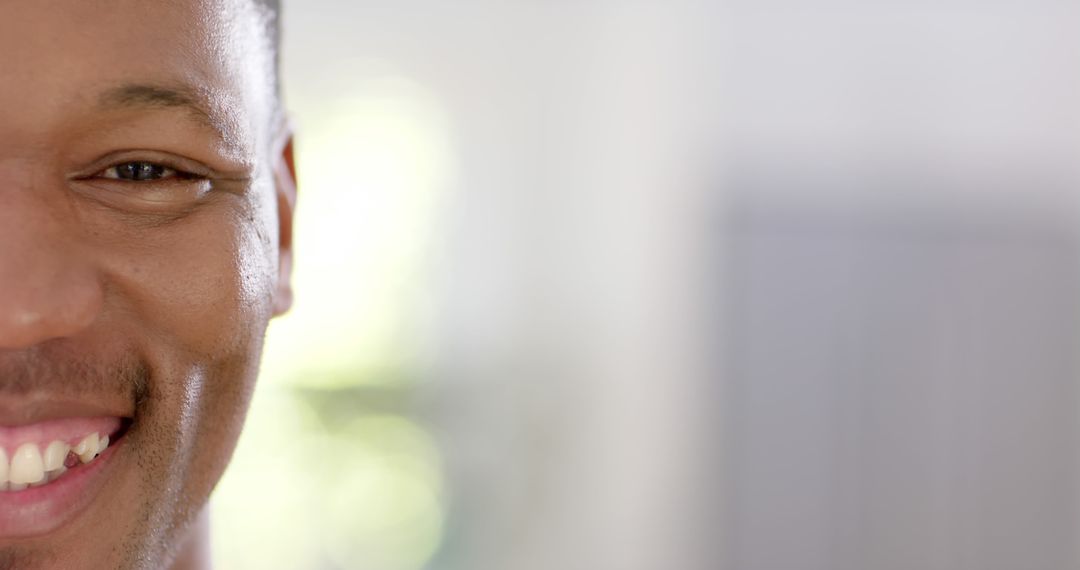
(51, 470)
(34, 464)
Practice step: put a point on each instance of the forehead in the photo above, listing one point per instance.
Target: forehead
(63, 56)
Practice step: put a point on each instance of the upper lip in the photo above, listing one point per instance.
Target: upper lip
(25, 410)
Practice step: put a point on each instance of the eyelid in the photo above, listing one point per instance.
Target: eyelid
(183, 167)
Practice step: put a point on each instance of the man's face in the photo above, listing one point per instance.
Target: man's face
(145, 196)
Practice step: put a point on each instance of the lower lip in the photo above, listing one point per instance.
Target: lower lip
(40, 510)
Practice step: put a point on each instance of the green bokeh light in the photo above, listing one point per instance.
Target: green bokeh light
(331, 472)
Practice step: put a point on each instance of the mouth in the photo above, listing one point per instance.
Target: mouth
(40, 454)
(51, 470)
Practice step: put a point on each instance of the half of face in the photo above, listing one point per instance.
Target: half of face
(144, 245)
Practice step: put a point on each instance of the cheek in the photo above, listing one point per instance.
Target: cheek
(256, 259)
(192, 296)
(200, 285)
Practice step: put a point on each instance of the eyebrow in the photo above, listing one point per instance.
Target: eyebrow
(158, 96)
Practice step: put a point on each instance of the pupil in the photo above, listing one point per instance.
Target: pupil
(141, 171)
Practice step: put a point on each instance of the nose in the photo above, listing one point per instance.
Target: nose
(48, 285)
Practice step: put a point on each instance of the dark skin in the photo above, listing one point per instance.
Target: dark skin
(147, 190)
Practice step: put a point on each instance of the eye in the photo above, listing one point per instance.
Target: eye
(141, 172)
(146, 181)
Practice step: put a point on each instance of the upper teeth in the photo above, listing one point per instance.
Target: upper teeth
(31, 465)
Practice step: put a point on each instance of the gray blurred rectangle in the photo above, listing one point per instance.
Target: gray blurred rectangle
(901, 387)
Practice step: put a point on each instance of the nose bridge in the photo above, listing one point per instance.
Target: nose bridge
(48, 285)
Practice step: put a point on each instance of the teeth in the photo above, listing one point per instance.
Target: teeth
(87, 448)
(27, 465)
(55, 455)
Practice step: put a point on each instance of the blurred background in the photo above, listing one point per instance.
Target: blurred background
(643, 285)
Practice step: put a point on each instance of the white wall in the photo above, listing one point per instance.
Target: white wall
(751, 285)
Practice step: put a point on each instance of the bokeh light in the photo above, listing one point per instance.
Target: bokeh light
(331, 462)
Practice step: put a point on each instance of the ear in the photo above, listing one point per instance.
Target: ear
(285, 185)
